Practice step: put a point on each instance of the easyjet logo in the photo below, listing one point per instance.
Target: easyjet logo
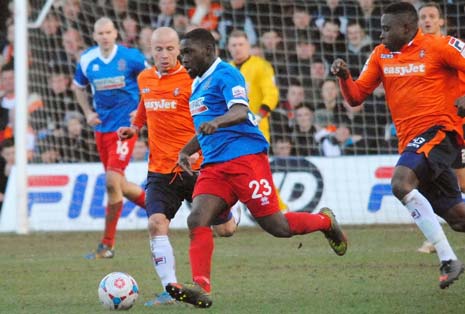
(160, 104)
(405, 69)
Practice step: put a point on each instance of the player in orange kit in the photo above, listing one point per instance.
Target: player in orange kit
(431, 21)
(165, 90)
(417, 72)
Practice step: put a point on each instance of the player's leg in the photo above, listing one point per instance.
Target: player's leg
(254, 186)
(163, 201)
(414, 170)
(226, 224)
(106, 146)
(131, 191)
(212, 196)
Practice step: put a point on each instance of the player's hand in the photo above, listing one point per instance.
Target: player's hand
(184, 162)
(209, 127)
(340, 69)
(460, 104)
(93, 119)
(126, 132)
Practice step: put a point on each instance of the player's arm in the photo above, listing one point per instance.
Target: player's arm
(355, 92)
(80, 83)
(126, 132)
(186, 152)
(454, 56)
(236, 114)
(269, 90)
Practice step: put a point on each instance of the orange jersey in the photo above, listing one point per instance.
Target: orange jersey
(421, 83)
(164, 106)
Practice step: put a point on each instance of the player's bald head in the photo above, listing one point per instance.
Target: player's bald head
(165, 33)
(103, 21)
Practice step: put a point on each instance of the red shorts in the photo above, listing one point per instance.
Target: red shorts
(114, 153)
(247, 178)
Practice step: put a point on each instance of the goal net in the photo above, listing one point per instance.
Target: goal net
(323, 153)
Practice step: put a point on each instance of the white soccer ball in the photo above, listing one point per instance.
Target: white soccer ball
(118, 291)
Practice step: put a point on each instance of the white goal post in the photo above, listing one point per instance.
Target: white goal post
(21, 95)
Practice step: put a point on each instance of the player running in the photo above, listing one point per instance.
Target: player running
(111, 70)
(164, 105)
(235, 166)
(417, 72)
(431, 21)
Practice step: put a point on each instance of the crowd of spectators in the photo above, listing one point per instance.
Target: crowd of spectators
(299, 38)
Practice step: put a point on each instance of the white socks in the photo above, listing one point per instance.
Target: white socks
(163, 259)
(427, 221)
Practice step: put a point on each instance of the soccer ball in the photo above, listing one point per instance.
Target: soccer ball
(118, 291)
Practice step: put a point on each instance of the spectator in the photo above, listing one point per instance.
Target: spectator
(76, 144)
(333, 10)
(282, 119)
(331, 41)
(370, 16)
(8, 50)
(236, 17)
(282, 147)
(167, 14)
(58, 99)
(130, 31)
(342, 142)
(7, 160)
(8, 154)
(206, 14)
(48, 151)
(302, 29)
(73, 17)
(331, 112)
(319, 71)
(144, 43)
(273, 50)
(73, 46)
(299, 65)
(358, 47)
(304, 132)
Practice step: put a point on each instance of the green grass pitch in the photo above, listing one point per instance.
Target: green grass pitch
(252, 273)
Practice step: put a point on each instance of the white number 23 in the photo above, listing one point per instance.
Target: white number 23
(260, 189)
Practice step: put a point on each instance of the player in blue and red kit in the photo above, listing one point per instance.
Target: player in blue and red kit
(235, 166)
(111, 70)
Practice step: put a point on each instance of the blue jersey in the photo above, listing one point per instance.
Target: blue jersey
(220, 87)
(114, 84)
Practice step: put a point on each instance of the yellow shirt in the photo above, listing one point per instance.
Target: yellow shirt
(261, 87)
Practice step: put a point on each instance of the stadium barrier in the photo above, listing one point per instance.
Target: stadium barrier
(71, 197)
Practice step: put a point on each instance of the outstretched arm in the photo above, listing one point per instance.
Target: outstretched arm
(349, 89)
(236, 114)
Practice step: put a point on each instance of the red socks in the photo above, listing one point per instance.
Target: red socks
(200, 253)
(112, 214)
(303, 222)
(140, 200)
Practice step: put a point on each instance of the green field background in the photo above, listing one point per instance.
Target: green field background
(252, 273)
